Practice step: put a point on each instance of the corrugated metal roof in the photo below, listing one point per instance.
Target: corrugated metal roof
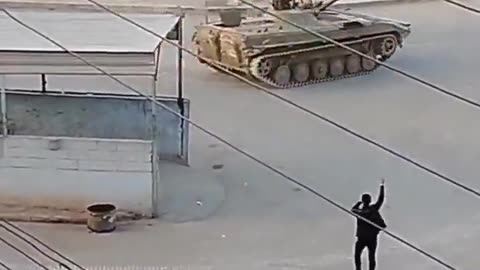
(83, 31)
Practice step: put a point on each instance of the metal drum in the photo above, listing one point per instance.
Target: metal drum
(101, 218)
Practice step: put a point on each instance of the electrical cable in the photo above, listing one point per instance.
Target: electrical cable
(6, 267)
(35, 247)
(23, 253)
(461, 5)
(41, 243)
(246, 154)
(308, 111)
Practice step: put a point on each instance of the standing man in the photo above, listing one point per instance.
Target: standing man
(367, 234)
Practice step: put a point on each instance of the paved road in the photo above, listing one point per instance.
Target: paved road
(267, 223)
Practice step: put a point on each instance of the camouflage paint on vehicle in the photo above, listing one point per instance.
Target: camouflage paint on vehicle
(283, 56)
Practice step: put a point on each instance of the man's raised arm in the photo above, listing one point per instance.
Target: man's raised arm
(381, 196)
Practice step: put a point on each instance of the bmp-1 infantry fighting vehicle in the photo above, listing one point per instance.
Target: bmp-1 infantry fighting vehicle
(280, 55)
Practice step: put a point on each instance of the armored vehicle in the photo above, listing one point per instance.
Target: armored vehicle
(280, 55)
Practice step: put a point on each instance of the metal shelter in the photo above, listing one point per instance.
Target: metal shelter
(103, 39)
(112, 44)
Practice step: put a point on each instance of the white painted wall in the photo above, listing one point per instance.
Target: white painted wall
(80, 172)
(83, 83)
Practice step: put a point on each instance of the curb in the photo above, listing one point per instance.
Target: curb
(56, 217)
(53, 219)
(170, 9)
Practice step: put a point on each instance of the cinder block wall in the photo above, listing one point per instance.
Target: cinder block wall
(74, 172)
(104, 116)
(77, 154)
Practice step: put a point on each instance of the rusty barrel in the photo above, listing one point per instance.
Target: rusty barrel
(101, 218)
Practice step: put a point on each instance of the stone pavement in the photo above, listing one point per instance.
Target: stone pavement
(189, 193)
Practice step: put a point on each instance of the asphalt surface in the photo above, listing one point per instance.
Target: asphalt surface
(266, 223)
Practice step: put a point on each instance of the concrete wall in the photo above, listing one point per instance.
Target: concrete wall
(71, 173)
(99, 116)
(78, 83)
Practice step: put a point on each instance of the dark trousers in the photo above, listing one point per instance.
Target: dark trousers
(371, 244)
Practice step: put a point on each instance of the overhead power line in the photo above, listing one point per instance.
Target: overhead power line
(300, 107)
(461, 5)
(40, 242)
(243, 152)
(388, 66)
(35, 247)
(12, 246)
(6, 267)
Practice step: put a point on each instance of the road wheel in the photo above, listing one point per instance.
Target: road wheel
(337, 66)
(319, 69)
(367, 64)
(301, 72)
(282, 75)
(354, 63)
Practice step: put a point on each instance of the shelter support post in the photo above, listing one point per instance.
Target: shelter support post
(155, 167)
(180, 101)
(155, 159)
(180, 63)
(206, 11)
(44, 83)
(4, 105)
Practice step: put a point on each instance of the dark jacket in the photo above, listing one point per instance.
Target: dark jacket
(371, 213)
